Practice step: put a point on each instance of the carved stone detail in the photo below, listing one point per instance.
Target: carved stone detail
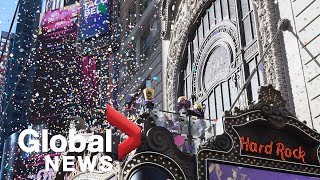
(221, 143)
(274, 61)
(223, 35)
(190, 9)
(251, 50)
(164, 15)
(271, 104)
(270, 95)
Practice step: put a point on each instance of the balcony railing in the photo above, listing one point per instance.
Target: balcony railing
(188, 131)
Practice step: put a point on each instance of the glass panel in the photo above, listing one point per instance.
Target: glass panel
(132, 20)
(218, 12)
(233, 90)
(195, 43)
(247, 29)
(185, 88)
(185, 80)
(206, 112)
(188, 68)
(244, 7)
(254, 81)
(260, 71)
(189, 87)
(212, 108)
(219, 106)
(225, 9)
(232, 9)
(253, 24)
(189, 52)
(200, 32)
(217, 92)
(212, 16)
(226, 98)
(206, 26)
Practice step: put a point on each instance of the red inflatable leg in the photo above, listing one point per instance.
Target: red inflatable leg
(129, 128)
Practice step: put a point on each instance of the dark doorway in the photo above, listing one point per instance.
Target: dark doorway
(150, 173)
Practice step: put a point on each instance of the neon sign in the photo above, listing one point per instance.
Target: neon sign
(280, 149)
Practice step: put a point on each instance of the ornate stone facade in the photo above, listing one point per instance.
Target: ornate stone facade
(275, 60)
(223, 35)
(188, 12)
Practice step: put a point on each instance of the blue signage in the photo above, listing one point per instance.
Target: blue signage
(94, 18)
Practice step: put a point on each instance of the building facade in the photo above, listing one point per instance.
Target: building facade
(19, 71)
(6, 49)
(301, 44)
(27, 24)
(140, 51)
(232, 30)
(213, 46)
(208, 51)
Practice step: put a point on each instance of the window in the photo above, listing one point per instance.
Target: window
(216, 66)
(247, 21)
(146, 4)
(132, 18)
(215, 72)
(146, 43)
(69, 2)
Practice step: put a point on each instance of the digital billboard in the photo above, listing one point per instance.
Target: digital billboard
(90, 81)
(58, 69)
(221, 171)
(60, 20)
(94, 18)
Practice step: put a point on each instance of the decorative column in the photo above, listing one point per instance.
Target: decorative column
(177, 33)
(275, 68)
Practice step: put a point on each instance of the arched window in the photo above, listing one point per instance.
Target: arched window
(220, 54)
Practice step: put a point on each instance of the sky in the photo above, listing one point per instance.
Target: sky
(7, 8)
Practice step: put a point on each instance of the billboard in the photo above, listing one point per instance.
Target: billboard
(229, 172)
(58, 70)
(59, 21)
(90, 81)
(94, 18)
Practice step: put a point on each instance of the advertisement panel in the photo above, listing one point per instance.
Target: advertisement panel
(58, 70)
(90, 81)
(94, 18)
(59, 21)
